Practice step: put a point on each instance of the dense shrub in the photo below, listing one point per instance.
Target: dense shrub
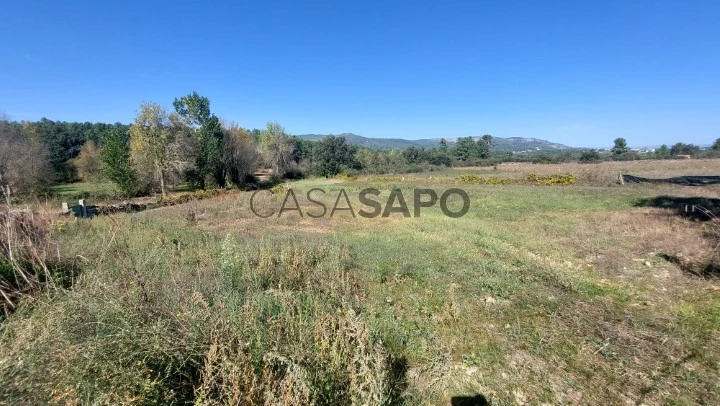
(492, 180)
(590, 156)
(385, 179)
(561, 179)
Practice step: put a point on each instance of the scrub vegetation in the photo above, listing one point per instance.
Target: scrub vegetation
(548, 291)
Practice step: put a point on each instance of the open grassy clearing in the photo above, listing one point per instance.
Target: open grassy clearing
(79, 190)
(540, 294)
(98, 192)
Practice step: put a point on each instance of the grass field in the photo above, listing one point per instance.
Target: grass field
(593, 293)
(86, 189)
(94, 191)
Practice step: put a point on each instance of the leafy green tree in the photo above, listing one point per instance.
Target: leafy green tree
(195, 112)
(663, 152)
(151, 141)
(716, 145)
(256, 133)
(276, 148)
(443, 145)
(439, 157)
(590, 156)
(332, 155)
(88, 164)
(24, 164)
(684, 149)
(63, 141)
(115, 156)
(465, 149)
(239, 155)
(414, 155)
(619, 148)
(301, 149)
(366, 157)
(483, 146)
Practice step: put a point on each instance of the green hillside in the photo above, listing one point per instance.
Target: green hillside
(511, 144)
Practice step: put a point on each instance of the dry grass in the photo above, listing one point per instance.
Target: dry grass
(187, 318)
(606, 173)
(27, 255)
(541, 294)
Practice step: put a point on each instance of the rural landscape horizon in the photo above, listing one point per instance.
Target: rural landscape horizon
(465, 203)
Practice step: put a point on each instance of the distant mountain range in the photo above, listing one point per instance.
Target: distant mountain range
(512, 144)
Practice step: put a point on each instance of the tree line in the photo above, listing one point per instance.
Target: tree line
(621, 152)
(187, 143)
(164, 147)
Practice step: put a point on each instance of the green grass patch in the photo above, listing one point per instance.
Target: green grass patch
(85, 190)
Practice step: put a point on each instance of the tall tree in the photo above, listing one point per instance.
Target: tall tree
(465, 149)
(24, 164)
(443, 145)
(684, 149)
(63, 141)
(619, 148)
(332, 155)
(301, 149)
(151, 140)
(483, 146)
(276, 148)
(195, 112)
(716, 145)
(11, 143)
(239, 154)
(663, 152)
(88, 164)
(115, 156)
(439, 157)
(414, 155)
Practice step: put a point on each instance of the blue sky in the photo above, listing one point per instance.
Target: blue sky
(577, 72)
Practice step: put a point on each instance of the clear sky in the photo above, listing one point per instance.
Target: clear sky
(577, 72)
